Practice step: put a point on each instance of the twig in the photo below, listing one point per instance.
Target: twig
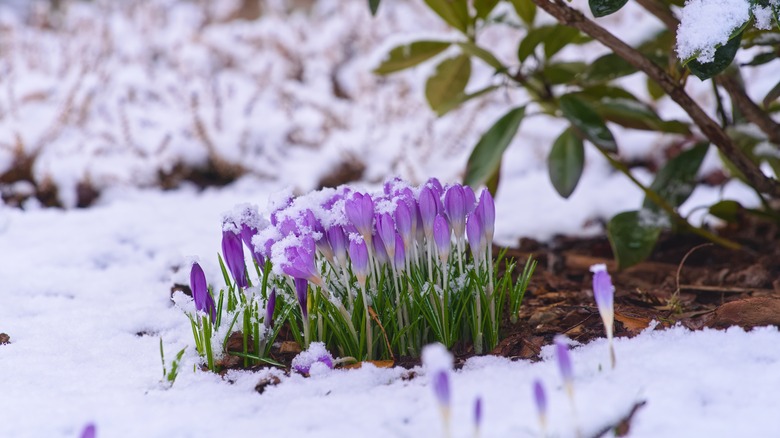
(573, 18)
(679, 268)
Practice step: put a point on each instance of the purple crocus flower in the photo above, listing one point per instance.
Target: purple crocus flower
(476, 237)
(403, 221)
(540, 399)
(442, 237)
(302, 293)
(435, 185)
(89, 431)
(270, 307)
(358, 254)
(300, 261)
(440, 383)
(564, 361)
(360, 212)
(247, 233)
(400, 252)
(428, 210)
(470, 199)
(338, 242)
(455, 206)
(200, 291)
(317, 352)
(385, 227)
(380, 250)
(486, 210)
(604, 293)
(477, 413)
(233, 252)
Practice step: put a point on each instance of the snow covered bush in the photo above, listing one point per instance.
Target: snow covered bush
(587, 95)
(371, 275)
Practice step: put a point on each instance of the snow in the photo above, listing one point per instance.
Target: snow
(85, 294)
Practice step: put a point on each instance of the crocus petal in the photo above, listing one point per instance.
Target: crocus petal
(564, 359)
(470, 199)
(400, 252)
(233, 252)
(477, 412)
(475, 236)
(317, 352)
(385, 226)
(603, 290)
(455, 206)
(358, 254)
(428, 210)
(440, 383)
(89, 431)
(487, 214)
(540, 398)
(198, 286)
(442, 235)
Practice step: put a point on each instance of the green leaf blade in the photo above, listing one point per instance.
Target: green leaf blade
(602, 8)
(485, 159)
(677, 179)
(565, 162)
(409, 55)
(632, 237)
(454, 12)
(448, 83)
(587, 121)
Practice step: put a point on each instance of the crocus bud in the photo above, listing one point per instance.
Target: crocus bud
(540, 400)
(360, 212)
(385, 227)
(440, 382)
(604, 293)
(317, 353)
(400, 252)
(476, 237)
(380, 250)
(455, 206)
(428, 210)
(358, 254)
(486, 210)
(89, 431)
(403, 221)
(200, 291)
(442, 236)
(247, 233)
(564, 362)
(233, 252)
(477, 414)
(270, 307)
(338, 243)
(302, 293)
(470, 199)
(299, 261)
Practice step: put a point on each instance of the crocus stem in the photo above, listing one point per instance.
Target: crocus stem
(478, 305)
(491, 301)
(245, 332)
(369, 338)
(611, 350)
(350, 299)
(306, 333)
(459, 246)
(398, 311)
(207, 342)
(430, 260)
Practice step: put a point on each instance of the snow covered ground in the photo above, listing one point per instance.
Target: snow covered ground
(84, 294)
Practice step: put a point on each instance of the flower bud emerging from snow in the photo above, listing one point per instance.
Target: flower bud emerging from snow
(477, 413)
(400, 252)
(604, 294)
(564, 361)
(317, 353)
(428, 210)
(540, 401)
(440, 382)
(338, 242)
(200, 291)
(89, 431)
(455, 206)
(380, 250)
(385, 228)
(233, 252)
(470, 199)
(403, 221)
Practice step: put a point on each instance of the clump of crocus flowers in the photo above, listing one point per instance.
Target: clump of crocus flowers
(371, 275)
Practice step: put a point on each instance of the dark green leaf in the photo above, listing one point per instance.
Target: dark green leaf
(373, 5)
(565, 162)
(409, 55)
(762, 58)
(559, 37)
(773, 94)
(448, 82)
(598, 92)
(485, 159)
(607, 68)
(637, 115)
(632, 236)
(677, 179)
(484, 7)
(726, 210)
(474, 50)
(654, 90)
(532, 39)
(724, 55)
(462, 98)
(526, 10)
(561, 72)
(587, 121)
(601, 8)
(454, 12)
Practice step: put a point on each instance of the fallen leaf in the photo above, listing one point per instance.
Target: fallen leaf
(289, 347)
(632, 323)
(376, 363)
